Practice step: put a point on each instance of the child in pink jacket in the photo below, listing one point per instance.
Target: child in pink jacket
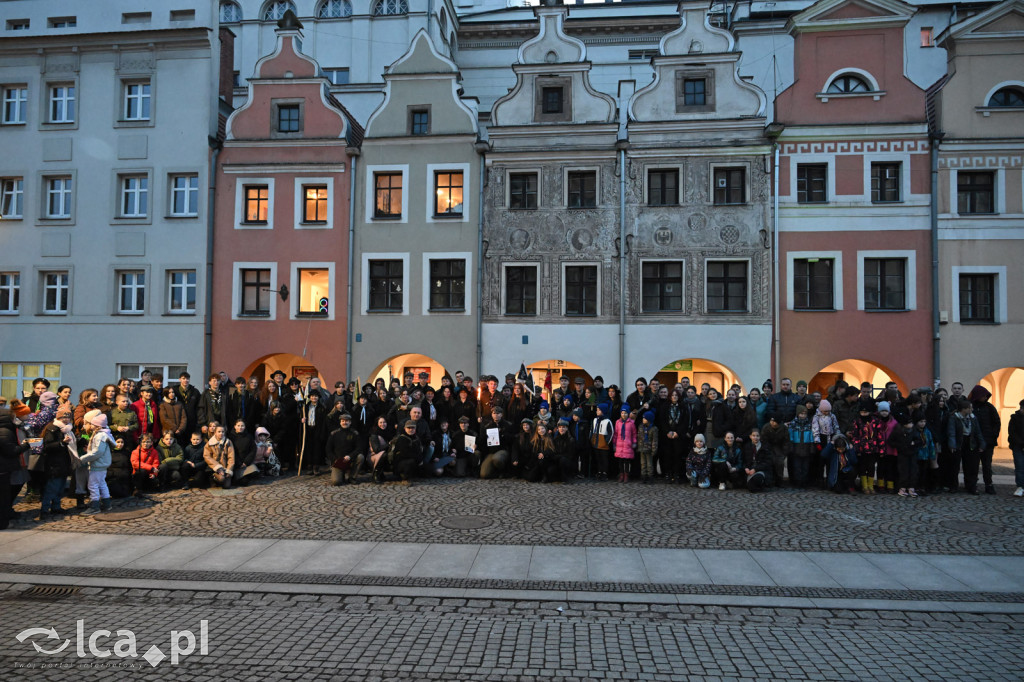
(624, 443)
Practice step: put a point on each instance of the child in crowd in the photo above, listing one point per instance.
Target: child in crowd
(727, 462)
(601, 433)
(56, 466)
(146, 466)
(97, 457)
(171, 458)
(841, 465)
(624, 442)
(887, 462)
(266, 459)
(927, 462)
(868, 440)
(193, 467)
(647, 445)
(824, 426)
(776, 436)
(802, 446)
(698, 463)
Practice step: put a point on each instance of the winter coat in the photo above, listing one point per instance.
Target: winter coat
(126, 418)
(776, 438)
(720, 418)
(958, 427)
(172, 417)
(624, 440)
(341, 444)
(147, 460)
(56, 456)
(219, 454)
(245, 447)
(1016, 430)
(801, 438)
(98, 454)
(406, 454)
(145, 425)
(647, 439)
(505, 437)
(836, 462)
(189, 398)
(759, 458)
(212, 408)
(824, 428)
(926, 444)
(10, 450)
(783, 404)
(172, 456)
(868, 436)
(888, 426)
(602, 431)
(733, 456)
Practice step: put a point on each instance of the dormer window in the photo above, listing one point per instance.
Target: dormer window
(1007, 97)
(695, 90)
(850, 83)
(273, 11)
(552, 99)
(847, 85)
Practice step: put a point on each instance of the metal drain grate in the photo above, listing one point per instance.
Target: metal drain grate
(50, 591)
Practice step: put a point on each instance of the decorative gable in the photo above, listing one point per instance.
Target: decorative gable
(830, 15)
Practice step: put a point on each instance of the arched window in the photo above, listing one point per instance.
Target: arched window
(334, 9)
(275, 10)
(230, 13)
(848, 83)
(444, 23)
(1007, 97)
(390, 8)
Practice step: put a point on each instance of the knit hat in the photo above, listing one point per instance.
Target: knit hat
(801, 409)
(463, 419)
(96, 418)
(825, 406)
(884, 407)
(624, 409)
(649, 416)
(865, 406)
(527, 420)
(544, 405)
(260, 431)
(578, 411)
(605, 408)
(801, 383)
(599, 378)
(20, 409)
(568, 396)
(48, 398)
(563, 422)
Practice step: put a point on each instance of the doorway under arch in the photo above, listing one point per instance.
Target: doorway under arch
(1007, 388)
(291, 365)
(700, 371)
(854, 372)
(558, 369)
(396, 367)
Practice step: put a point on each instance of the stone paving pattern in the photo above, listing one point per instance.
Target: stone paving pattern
(582, 514)
(310, 637)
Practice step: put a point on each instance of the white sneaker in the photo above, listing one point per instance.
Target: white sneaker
(721, 486)
(1019, 492)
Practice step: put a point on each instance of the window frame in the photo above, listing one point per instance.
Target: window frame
(662, 170)
(566, 266)
(540, 84)
(401, 8)
(12, 190)
(505, 299)
(322, 13)
(467, 284)
(389, 277)
(837, 277)
(170, 371)
(145, 100)
(999, 291)
(72, 101)
(684, 75)
(415, 129)
(746, 286)
(873, 90)
(23, 379)
(744, 185)
(18, 103)
(134, 287)
(331, 72)
(301, 184)
(875, 182)
(173, 192)
(236, 12)
(67, 201)
(237, 294)
(44, 288)
(273, 10)
(277, 105)
(568, 192)
(241, 205)
(509, 174)
(297, 267)
(184, 286)
(803, 180)
(662, 279)
(993, 194)
(142, 193)
(451, 173)
(808, 291)
(12, 289)
(973, 292)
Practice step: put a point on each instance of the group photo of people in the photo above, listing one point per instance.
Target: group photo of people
(134, 438)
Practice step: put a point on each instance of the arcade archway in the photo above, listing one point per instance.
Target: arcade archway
(558, 369)
(700, 371)
(1007, 388)
(291, 365)
(854, 372)
(398, 365)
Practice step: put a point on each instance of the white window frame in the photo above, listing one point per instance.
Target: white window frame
(910, 256)
(504, 289)
(432, 170)
(141, 194)
(43, 287)
(875, 92)
(807, 160)
(122, 282)
(837, 277)
(1000, 313)
(467, 256)
(65, 192)
(13, 290)
(746, 181)
(371, 194)
(174, 191)
(998, 189)
(300, 203)
(597, 300)
(171, 378)
(141, 99)
(21, 377)
(509, 172)
(184, 286)
(596, 170)
(750, 283)
(296, 288)
(16, 95)
(236, 289)
(12, 190)
(904, 161)
(240, 184)
(364, 288)
(67, 100)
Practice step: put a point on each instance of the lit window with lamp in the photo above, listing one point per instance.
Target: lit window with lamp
(314, 292)
(448, 190)
(314, 204)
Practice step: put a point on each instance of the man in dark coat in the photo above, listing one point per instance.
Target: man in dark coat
(991, 424)
(10, 461)
(211, 405)
(345, 452)
(784, 402)
(189, 398)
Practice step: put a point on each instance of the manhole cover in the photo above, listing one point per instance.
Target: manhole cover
(126, 515)
(465, 522)
(971, 526)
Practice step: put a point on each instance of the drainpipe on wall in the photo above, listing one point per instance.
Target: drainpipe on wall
(622, 145)
(481, 148)
(775, 271)
(216, 146)
(933, 153)
(353, 154)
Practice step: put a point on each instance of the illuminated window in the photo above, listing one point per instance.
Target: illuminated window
(314, 288)
(315, 204)
(256, 202)
(448, 190)
(388, 195)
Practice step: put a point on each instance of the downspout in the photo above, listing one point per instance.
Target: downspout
(621, 145)
(481, 148)
(933, 153)
(353, 154)
(216, 145)
(775, 270)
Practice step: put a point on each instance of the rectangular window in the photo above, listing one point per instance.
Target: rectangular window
(185, 195)
(552, 100)
(730, 186)
(521, 290)
(170, 373)
(975, 192)
(134, 196)
(885, 182)
(419, 121)
(386, 285)
(256, 293)
(811, 183)
(257, 199)
(136, 101)
(813, 284)
(885, 284)
(18, 24)
(314, 290)
(58, 198)
(448, 193)
(663, 187)
(62, 103)
(56, 287)
(522, 191)
(387, 195)
(337, 76)
(582, 189)
(727, 287)
(12, 198)
(10, 292)
(15, 105)
(581, 290)
(131, 287)
(62, 22)
(448, 285)
(977, 298)
(288, 118)
(16, 379)
(314, 203)
(181, 287)
(662, 287)
(694, 92)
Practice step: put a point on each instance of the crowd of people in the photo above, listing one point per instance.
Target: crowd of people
(132, 438)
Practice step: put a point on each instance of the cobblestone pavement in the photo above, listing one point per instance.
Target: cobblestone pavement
(310, 637)
(580, 514)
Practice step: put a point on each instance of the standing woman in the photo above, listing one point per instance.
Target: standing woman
(745, 418)
(669, 419)
(108, 398)
(444, 403)
(615, 401)
(172, 416)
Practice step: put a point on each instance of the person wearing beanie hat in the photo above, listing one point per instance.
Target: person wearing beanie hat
(521, 448)
(601, 434)
(19, 409)
(825, 427)
(57, 436)
(775, 435)
(98, 458)
(647, 445)
(868, 439)
(801, 448)
(624, 442)
(926, 454)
